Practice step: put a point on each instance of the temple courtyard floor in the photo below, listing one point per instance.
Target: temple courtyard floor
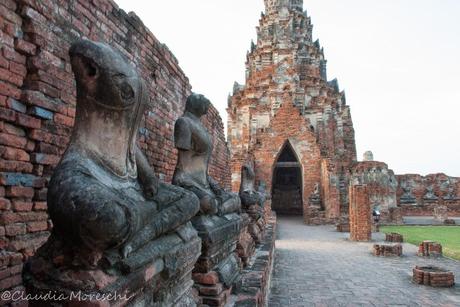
(317, 266)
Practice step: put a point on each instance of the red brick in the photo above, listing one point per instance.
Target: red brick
(33, 216)
(11, 77)
(28, 121)
(23, 192)
(40, 205)
(9, 90)
(21, 205)
(7, 218)
(37, 226)
(18, 69)
(44, 88)
(63, 120)
(15, 154)
(7, 114)
(4, 63)
(14, 56)
(24, 47)
(5, 204)
(12, 140)
(12, 129)
(3, 101)
(15, 229)
(16, 166)
(36, 98)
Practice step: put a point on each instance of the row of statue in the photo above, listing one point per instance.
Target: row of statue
(117, 228)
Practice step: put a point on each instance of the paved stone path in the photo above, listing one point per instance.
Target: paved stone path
(317, 266)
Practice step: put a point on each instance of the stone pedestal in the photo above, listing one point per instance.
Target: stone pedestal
(246, 245)
(256, 225)
(430, 249)
(166, 281)
(218, 267)
(254, 287)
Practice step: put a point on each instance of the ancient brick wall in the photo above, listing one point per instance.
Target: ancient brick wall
(289, 125)
(381, 185)
(37, 107)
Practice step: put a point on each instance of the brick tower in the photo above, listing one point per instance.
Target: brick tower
(290, 120)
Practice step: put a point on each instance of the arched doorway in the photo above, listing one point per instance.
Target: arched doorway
(287, 183)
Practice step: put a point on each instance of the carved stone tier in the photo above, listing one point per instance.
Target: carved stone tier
(165, 281)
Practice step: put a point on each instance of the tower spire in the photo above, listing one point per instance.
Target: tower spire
(272, 6)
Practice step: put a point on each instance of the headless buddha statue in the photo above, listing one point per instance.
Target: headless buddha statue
(218, 223)
(195, 148)
(115, 225)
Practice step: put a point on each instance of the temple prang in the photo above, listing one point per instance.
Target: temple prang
(288, 107)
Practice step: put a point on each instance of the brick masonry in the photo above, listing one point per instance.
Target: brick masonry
(430, 249)
(37, 108)
(433, 276)
(388, 250)
(360, 214)
(287, 99)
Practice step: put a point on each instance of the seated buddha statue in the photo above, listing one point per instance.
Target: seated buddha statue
(116, 226)
(252, 201)
(218, 221)
(195, 148)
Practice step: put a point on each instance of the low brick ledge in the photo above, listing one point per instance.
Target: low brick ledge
(433, 276)
(388, 250)
(254, 288)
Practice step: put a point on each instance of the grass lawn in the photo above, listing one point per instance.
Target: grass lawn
(448, 236)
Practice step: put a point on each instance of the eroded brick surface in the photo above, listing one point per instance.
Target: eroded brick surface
(37, 106)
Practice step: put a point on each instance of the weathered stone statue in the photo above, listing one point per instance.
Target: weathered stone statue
(253, 202)
(430, 195)
(117, 229)
(218, 223)
(407, 197)
(195, 148)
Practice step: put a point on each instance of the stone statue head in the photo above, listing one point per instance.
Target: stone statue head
(111, 98)
(197, 104)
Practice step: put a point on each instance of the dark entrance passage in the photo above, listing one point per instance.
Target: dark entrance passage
(287, 183)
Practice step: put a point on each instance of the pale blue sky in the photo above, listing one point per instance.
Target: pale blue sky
(398, 61)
